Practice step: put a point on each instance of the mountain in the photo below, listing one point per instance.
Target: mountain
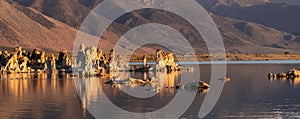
(281, 16)
(27, 27)
(52, 22)
(22, 26)
(90, 3)
(248, 37)
(239, 36)
(291, 2)
(70, 12)
(230, 3)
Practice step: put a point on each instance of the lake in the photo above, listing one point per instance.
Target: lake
(249, 94)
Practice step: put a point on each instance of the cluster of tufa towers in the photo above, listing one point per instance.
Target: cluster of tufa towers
(89, 61)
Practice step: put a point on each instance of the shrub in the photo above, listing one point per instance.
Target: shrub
(287, 53)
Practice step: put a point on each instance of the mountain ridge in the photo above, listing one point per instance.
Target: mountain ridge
(239, 36)
(229, 3)
(281, 16)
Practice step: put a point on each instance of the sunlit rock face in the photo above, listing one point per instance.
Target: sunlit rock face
(165, 61)
(160, 62)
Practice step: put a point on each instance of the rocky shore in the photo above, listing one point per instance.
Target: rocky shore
(229, 57)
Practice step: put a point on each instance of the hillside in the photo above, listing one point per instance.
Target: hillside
(70, 12)
(239, 36)
(230, 3)
(290, 2)
(26, 27)
(46, 30)
(21, 26)
(248, 37)
(281, 16)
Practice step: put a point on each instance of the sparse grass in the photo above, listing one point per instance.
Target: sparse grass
(7, 33)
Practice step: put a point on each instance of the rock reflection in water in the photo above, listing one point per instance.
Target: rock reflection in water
(40, 95)
(295, 81)
(130, 96)
(88, 90)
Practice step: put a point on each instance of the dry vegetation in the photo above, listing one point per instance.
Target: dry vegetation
(241, 57)
(229, 57)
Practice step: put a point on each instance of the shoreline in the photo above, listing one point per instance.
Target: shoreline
(138, 57)
(229, 57)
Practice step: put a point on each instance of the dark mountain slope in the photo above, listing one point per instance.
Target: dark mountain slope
(281, 16)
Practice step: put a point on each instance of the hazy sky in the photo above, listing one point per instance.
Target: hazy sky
(288, 1)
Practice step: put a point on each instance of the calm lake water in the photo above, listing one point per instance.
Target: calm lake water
(249, 94)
